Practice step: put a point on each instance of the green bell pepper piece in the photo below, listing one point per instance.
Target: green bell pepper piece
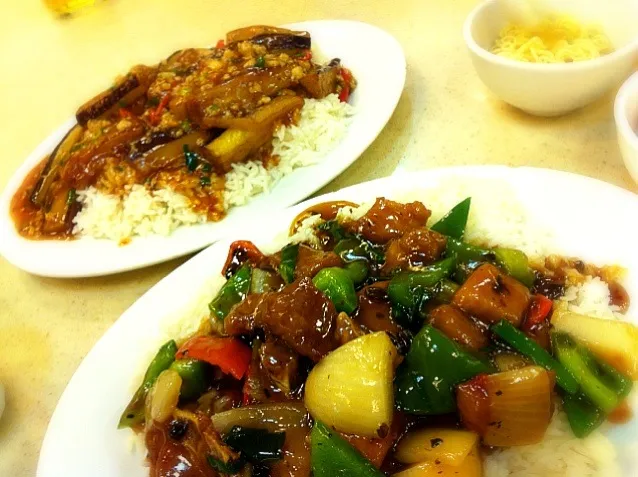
(465, 252)
(409, 290)
(134, 412)
(352, 248)
(602, 384)
(583, 416)
(234, 290)
(358, 271)
(337, 285)
(256, 445)
(356, 258)
(194, 374)
(467, 256)
(333, 456)
(446, 290)
(288, 262)
(528, 347)
(515, 264)
(434, 365)
(334, 229)
(454, 222)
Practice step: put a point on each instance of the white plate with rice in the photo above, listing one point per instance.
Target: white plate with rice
(536, 210)
(330, 136)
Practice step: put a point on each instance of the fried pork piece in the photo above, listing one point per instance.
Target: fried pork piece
(453, 323)
(387, 220)
(281, 364)
(490, 295)
(374, 308)
(418, 247)
(298, 315)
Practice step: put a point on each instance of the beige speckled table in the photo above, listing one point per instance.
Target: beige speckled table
(49, 66)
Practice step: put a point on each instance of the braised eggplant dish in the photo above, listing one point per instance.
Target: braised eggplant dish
(384, 346)
(173, 132)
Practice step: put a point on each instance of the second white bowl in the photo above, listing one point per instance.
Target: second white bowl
(626, 115)
(554, 89)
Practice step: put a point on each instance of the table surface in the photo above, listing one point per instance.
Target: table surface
(50, 66)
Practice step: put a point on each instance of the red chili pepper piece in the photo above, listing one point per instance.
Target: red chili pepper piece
(307, 56)
(124, 113)
(230, 355)
(220, 44)
(156, 115)
(539, 309)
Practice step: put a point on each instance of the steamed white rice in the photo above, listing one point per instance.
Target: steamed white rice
(140, 212)
(322, 125)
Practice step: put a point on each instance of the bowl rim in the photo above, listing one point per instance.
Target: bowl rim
(627, 91)
(631, 46)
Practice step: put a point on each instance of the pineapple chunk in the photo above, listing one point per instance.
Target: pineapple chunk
(448, 446)
(471, 466)
(351, 390)
(615, 342)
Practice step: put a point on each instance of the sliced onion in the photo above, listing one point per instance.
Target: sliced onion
(512, 408)
(509, 361)
(162, 400)
(271, 417)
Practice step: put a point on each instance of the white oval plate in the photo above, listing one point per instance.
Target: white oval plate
(591, 219)
(378, 63)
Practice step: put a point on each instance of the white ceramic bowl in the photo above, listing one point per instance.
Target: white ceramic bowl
(626, 115)
(554, 89)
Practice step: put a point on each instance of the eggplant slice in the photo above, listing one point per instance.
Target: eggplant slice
(124, 92)
(242, 92)
(52, 168)
(171, 154)
(278, 41)
(104, 101)
(250, 32)
(234, 145)
(151, 141)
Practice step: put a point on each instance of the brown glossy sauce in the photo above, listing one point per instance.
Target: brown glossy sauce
(176, 457)
(27, 217)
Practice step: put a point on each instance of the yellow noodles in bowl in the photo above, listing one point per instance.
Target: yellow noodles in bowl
(557, 39)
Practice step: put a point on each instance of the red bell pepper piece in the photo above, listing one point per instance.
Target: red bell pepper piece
(239, 252)
(539, 309)
(347, 78)
(230, 355)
